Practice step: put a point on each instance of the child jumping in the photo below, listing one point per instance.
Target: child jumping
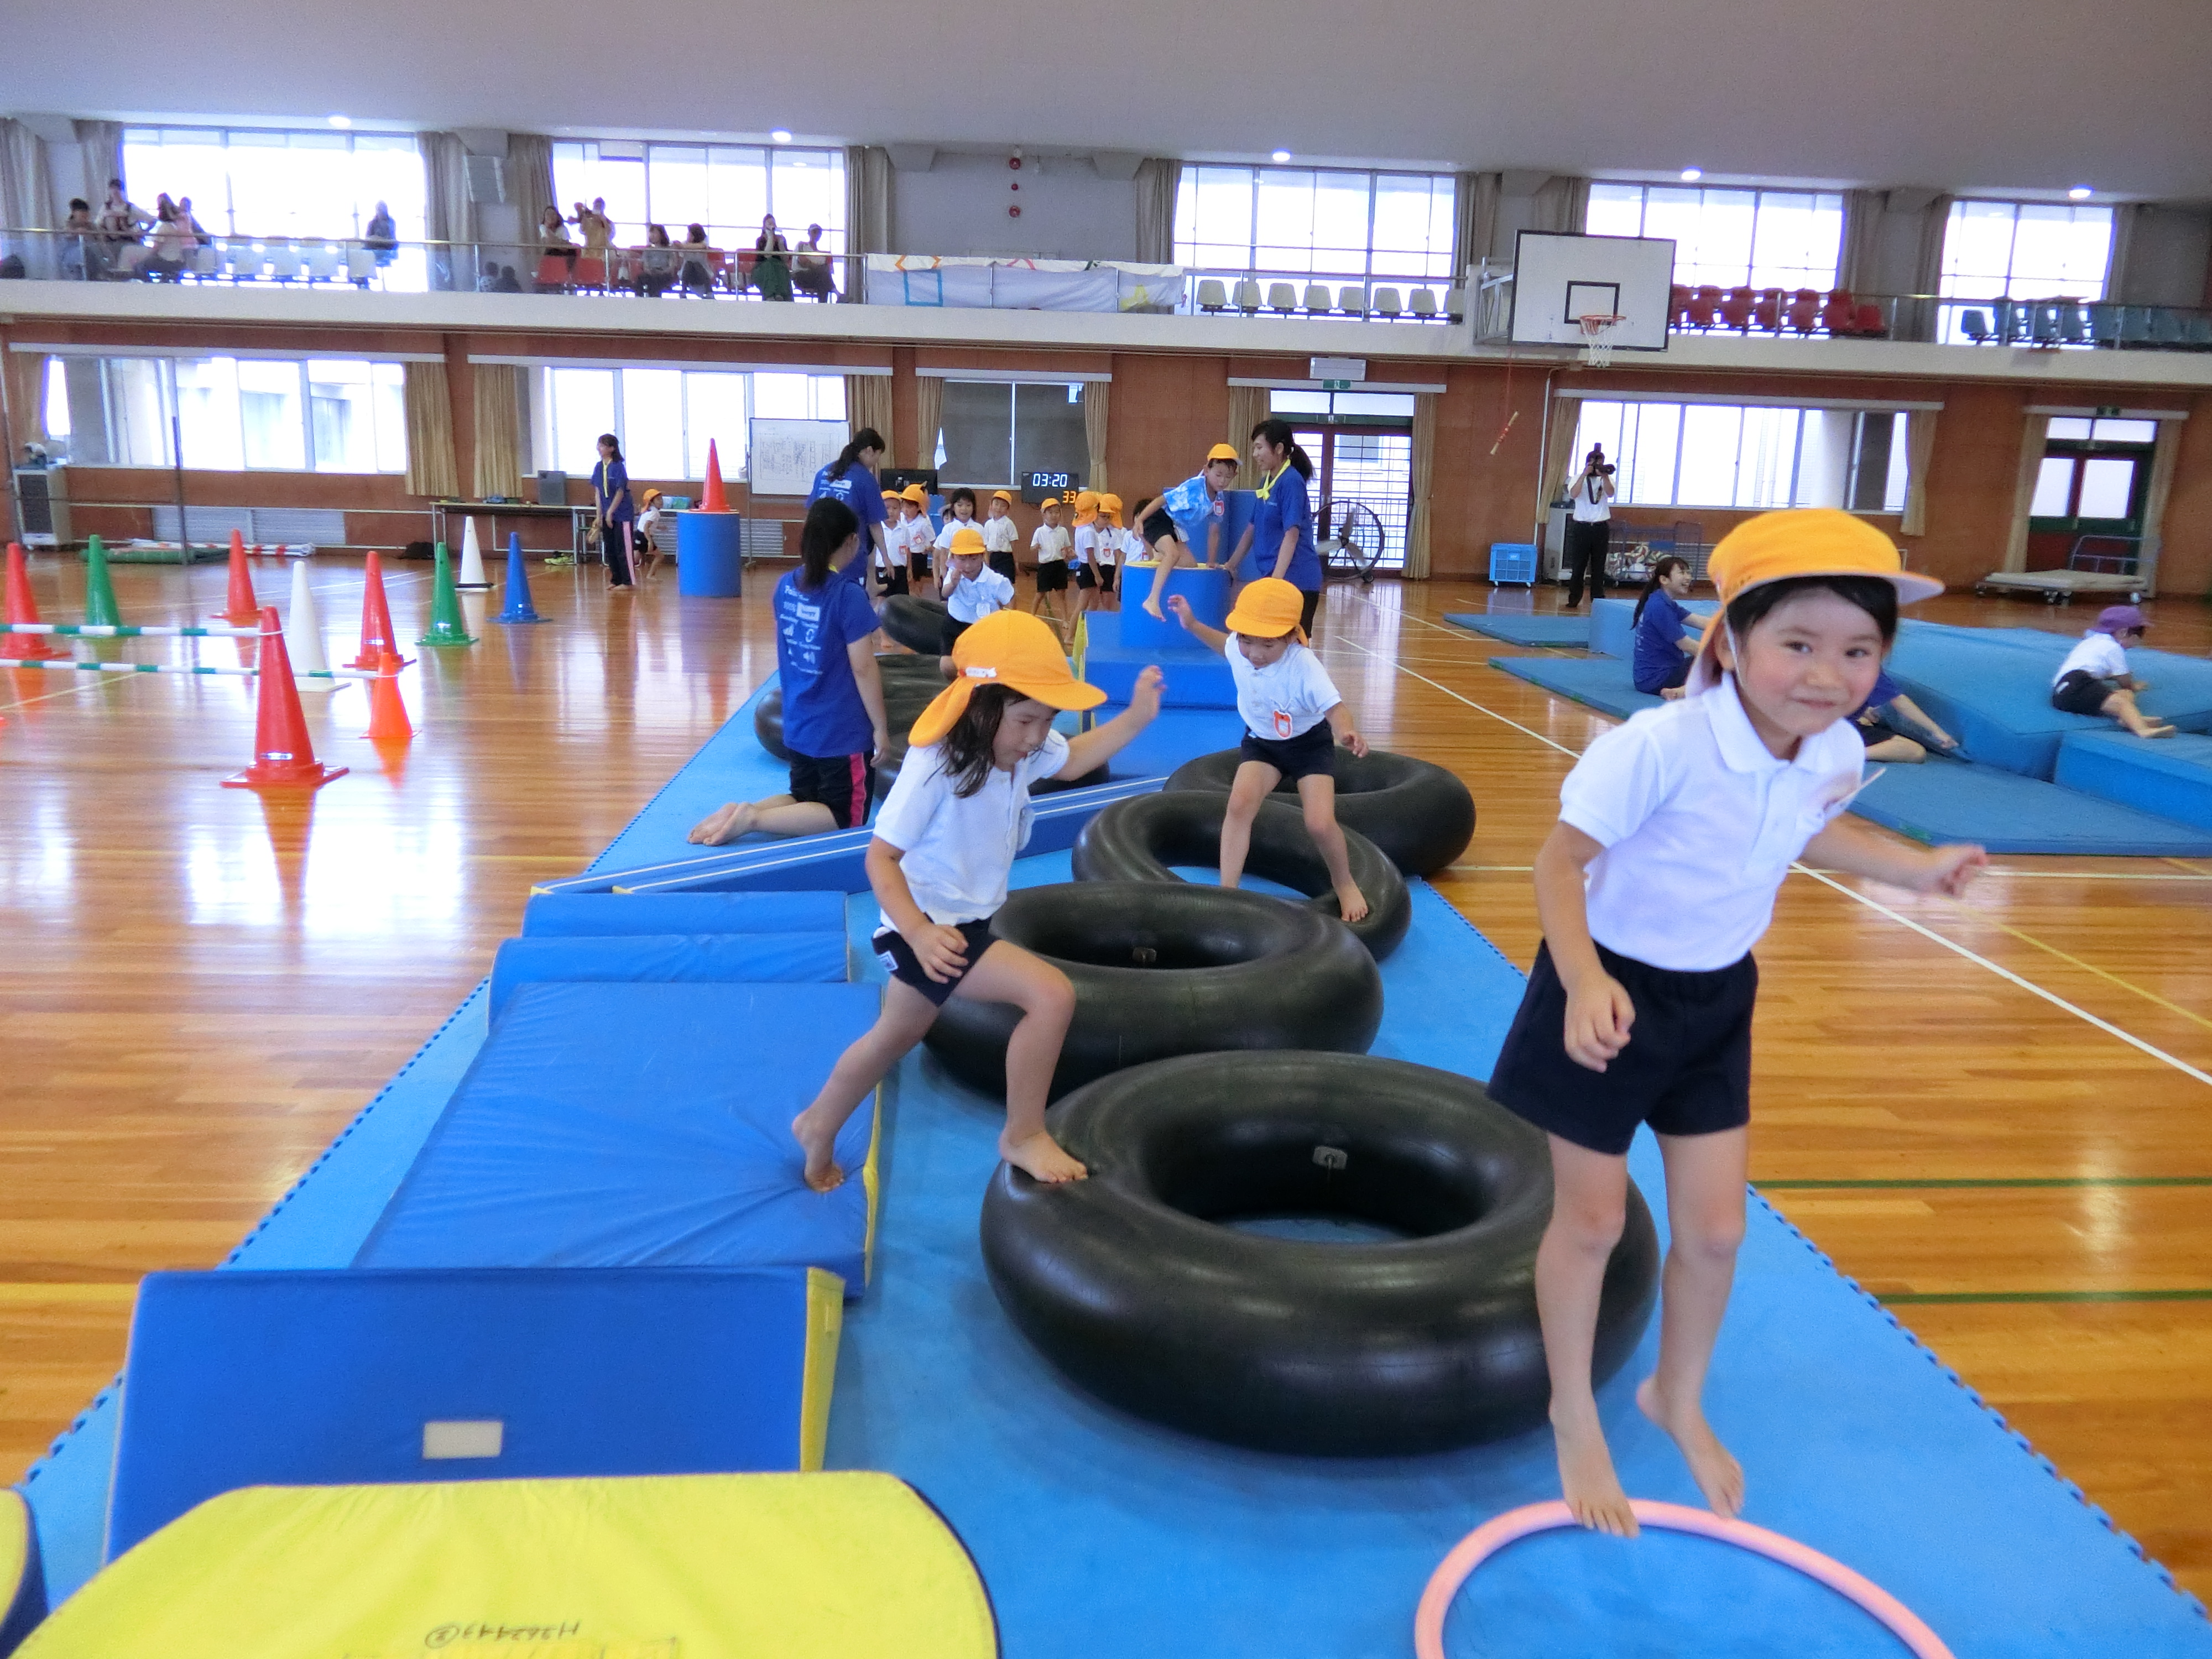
(2095, 678)
(1675, 830)
(1193, 511)
(944, 841)
(1293, 721)
(971, 591)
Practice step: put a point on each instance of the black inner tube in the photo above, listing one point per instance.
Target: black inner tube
(1264, 1167)
(1421, 815)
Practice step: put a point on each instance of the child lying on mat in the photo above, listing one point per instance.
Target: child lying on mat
(1675, 830)
(945, 842)
(1293, 721)
(2095, 678)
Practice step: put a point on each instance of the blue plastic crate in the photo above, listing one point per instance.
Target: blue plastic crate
(1513, 562)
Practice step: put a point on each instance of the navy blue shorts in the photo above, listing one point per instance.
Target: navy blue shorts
(906, 966)
(1686, 1070)
(1310, 754)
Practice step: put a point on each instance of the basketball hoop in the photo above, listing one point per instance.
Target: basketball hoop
(1597, 336)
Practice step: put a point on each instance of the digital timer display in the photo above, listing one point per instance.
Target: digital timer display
(1039, 487)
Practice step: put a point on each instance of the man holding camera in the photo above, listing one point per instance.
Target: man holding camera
(1590, 492)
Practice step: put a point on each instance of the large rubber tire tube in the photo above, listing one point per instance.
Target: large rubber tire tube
(1421, 815)
(915, 622)
(1162, 969)
(1139, 838)
(1130, 1284)
(909, 685)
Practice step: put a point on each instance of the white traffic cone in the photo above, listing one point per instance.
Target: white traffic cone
(303, 634)
(472, 570)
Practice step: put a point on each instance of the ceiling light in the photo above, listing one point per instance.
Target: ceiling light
(780, 136)
(1279, 156)
(341, 120)
(1690, 175)
(2079, 193)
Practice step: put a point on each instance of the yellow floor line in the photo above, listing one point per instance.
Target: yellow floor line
(38, 1291)
(2091, 968)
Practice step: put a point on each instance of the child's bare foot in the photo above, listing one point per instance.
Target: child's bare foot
(732, 823)
(1717, 1474)
(1042, 1156)
(1592, 1490)
(1152, 610)
(1351, 901)
(821, 1171)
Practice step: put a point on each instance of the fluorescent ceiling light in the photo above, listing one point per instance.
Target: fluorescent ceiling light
(341, 120)
(1280, 155)
(1690, 175)
(2079, 193)
(780, 136)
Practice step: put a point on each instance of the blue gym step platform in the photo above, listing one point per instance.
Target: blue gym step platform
(668, 959)
(554, 915)
(609, 1126)
(1516, 628)
(2169, 777)
(1196, 676)
(1945, 800)
(291, 1379)
(1178, 735)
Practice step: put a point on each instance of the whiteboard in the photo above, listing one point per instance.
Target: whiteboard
(1558, 276)
(787, 454)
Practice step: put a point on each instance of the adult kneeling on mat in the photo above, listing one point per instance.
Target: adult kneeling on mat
(945, 840)
(1293, 718)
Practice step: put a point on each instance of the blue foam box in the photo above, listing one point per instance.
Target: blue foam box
(245, 1379)
(1178, 735)
(2171, 777)
(565, 916)
(1612, 628)
(1208, 590)
(669, 959)
(1197, 677)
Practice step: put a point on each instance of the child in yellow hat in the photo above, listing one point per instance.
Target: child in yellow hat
(1675, 830)
(1293, 721)
(1051, 542)
(999, 532)
(945, 842)
(971, 589)
(1088, 529)
(1187, 516)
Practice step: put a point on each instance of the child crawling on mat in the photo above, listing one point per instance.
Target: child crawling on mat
(1293, 721)
(2095, 677)
(1675, 832)
(944, 841)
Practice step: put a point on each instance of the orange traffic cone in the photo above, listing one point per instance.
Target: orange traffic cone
(387, 714)
(714, 499)
(22, 608)
(240, 609)
(376, 635)
(284, 755)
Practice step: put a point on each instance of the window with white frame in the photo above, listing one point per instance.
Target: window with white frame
(1317, 222)
(1785, 239)
(993, 434)
(1692, 454)
(312, 186)
(726, 188)
(234, 414)
(2026, 250)
(665, 418)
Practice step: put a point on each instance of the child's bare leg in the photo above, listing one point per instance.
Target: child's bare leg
(906, 1017)
(1898, 751)
(1006, 973)
(1705, 1176)
(1589, 1206)
(1253, 782)
(778, 815)
(2121, 705)
(1318, 795)
(1167, 554)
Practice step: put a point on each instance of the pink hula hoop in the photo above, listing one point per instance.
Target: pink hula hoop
(1493, 1536)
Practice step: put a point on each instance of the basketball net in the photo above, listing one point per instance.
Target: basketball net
(1597, 336)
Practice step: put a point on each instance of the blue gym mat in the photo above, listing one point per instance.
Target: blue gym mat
(668, 959)
(1196, 677)
(1942, 800)
(2169, 777)
(560, 915)
(248, 1379)
(1516, 629)
(1177, 736)
(1601, 683)
(729, 766)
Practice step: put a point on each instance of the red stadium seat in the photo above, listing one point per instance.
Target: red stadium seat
(1869, 321)
(1706, 307)
(1735, 309)
(1767, 310)
(1804, 313)
(1840, 314)
(1678, 306)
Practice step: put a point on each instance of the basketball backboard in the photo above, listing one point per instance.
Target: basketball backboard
(1558, 277)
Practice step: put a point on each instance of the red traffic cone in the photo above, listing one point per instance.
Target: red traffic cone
(22, 608)
(713, 498)
(240, 609)
(387, 714)
(284, 755)
(376, 635)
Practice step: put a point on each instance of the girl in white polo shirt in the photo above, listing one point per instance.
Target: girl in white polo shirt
(946, 838)
(1675, 830)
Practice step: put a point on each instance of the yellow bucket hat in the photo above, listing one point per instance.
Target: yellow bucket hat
(1011, 648)
(1002, 496)
(1804, 541)
(915, 493)
(1268, 608)
(1086, 506)
(967, 541)
(1224, 453)
(1111, 507)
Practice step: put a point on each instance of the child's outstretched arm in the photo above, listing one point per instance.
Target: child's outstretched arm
(1211, 638)
(1599, 1011)
(1851, 846)
(1101, 743)
(1341, 726)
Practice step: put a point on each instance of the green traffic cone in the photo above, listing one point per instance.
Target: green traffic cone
(445, 626)
(100, 610)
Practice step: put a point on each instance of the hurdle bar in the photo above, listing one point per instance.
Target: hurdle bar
(120, 631)
(79, 663)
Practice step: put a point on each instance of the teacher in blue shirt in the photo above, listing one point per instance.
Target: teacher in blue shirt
(1283, 534)
(851, 479)
(1665, 646)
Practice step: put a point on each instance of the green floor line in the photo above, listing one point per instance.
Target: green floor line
(1946, 1299)
(1908, 1184)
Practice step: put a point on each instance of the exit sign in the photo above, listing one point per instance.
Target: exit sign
(1336, 386)
(2108, 408)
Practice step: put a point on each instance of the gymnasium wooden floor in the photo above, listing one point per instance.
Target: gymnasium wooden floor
(1995, 1113)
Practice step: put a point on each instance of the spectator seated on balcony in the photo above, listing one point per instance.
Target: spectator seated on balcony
(810, 268)
(556, 264)
(656, 263)
(171, 244)
(84, 255)
(593, 225)
(382, 238)
(508, 281)
(700, 260)
(771, 272)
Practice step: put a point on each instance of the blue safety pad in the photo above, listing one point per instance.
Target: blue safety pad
(668, 959)
(1196, 677)
(1613, 627)
(1177, 736)
(731, 765)
(1556, 630)
(250, 1379)
(2171, 777)
(640, 1126)
(564, 915)
(1945, 800)
(1605, 684)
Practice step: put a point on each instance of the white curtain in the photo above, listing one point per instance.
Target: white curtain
(1927, 272)
(1856, 263)
(1095, 394)
(2119, 271)
(868, 404)
(1474, 220)
(2033, 438)
(27, 198)
(867, 207)
(1158, 180)
(1561, 204)
(451, 216)
(101, 145)
(2154, 499)
(529, 188)
(928, 417)
(430, 410)
(1920, 454)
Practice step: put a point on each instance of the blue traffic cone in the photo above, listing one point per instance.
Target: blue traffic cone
(518, 608)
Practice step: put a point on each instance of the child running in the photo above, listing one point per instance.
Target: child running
(1675, 830)
(1192, 513)
(2095, 678)
(1293, 721)
(944, 841)
(971, 591)
(1051, 543)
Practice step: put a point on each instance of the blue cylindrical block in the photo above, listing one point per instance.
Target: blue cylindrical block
(710, 557)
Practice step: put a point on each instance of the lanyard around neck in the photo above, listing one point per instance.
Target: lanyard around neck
(1273, 479)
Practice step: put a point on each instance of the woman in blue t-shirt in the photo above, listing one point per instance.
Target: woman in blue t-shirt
(1665, 647)
(1187, 519)
(1283, 533)
(833, 693)
(617, 513)
(851, 479)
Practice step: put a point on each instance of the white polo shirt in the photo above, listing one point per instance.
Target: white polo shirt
(1086, 544)
(952, 528)
(999, 535)
(1287, 698)
(958, 852)
(2097, 653)
(974, 597)
(1700, 824)
(1050, 542)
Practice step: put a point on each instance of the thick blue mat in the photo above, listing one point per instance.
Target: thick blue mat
(2169, 777)
(1516, 629)
(1602, 682)
(560, 915)
(1102, 1537)
(611, 1125)
(729, 766)
(248, 1379)
(668, 959)
(1196, 677)
(1177, 736)
(1942, 800)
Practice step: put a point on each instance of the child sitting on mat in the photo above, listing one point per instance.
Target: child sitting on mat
(971, 591)
(1675, 830)
(1192, 513)
(1664, 645)
(944, 841)
(1293, 721)
(2095, 678)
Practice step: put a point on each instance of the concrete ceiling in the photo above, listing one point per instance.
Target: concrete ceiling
(1995, 96)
